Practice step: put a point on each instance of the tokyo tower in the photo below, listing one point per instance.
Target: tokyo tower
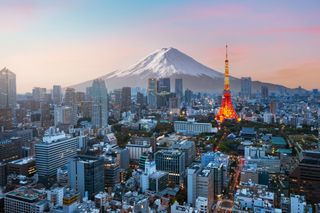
(226, 110)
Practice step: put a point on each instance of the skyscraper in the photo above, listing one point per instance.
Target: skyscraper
(152, 93)
(69, 97)
(7, 89)
(126, 99)
(163, 85)
(172, 161)
(86, 175)
(264, 92)
(246, 86)
(99, 104)
(56, 94)
(226, 110)
(179, 89)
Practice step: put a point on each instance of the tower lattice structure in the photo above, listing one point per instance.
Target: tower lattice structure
(226, 110)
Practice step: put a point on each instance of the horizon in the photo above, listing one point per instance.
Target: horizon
(65, 43)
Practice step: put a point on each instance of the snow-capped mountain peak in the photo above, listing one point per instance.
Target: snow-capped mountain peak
(166, 62)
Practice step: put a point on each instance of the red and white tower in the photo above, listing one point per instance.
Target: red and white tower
(226, 110)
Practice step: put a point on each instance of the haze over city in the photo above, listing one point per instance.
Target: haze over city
(68, 42)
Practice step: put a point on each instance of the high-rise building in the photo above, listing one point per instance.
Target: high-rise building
(192, 173)
(188, 96)
(264, 92)
(53, 152)
(179, 89)
(152, 93)
(305, 178)
(39, 94)
(86, 175)
(111, 173)
(226, 110)
(79, 97)
(7, 89)
(56, 94)
(69, 97)
(46, 115)
(246, 85)
(64, 115)
(172, 161)
(99, 104)
(126, 99)
(6, 118)
(163, 85)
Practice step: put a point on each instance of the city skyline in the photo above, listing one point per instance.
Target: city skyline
(65, 43)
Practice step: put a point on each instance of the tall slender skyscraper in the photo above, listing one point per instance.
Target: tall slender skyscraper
(56, 94)
(99, 104)
(7, 89)
(246, 86)
(179, 89)
(152, 93)
(126, 99)
(226, 110)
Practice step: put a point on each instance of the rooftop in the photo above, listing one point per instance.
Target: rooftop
(278, 141)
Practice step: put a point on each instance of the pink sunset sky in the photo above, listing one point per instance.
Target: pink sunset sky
(67, 42)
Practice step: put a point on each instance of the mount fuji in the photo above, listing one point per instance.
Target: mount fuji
(173, 64)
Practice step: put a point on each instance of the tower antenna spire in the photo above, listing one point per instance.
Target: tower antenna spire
(226, 51)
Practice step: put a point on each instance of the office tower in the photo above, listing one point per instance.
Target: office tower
(111, 173)
(152, 93)
(86, 175)
(86, 109)
(117, 97)
(158, 181)
(126, 99)
(53, 153)
(10, 149)
(88, 93)
(219, 178)
(205, 185)
(172, 161)
(26, 200)
(189, 149)
(69, 97)
(163, 85)
(56, 94)
(140, 99)
(226, 110)
(64, 115)
(305, 178)
(192, 173)
(149, 168)
(246, 85)
(7, 89)
(6, 118)
(264, 92)
(46, 118)
(39, 94)
(99, 104)
(79, 97)
(188, 96)
(179, 89)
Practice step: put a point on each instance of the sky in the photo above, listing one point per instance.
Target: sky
(67, 42)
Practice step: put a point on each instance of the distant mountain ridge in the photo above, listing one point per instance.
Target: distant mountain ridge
(172, 63)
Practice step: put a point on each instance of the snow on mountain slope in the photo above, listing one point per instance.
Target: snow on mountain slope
(165, 63)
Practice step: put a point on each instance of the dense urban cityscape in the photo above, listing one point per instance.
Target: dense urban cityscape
(221, 113)
(163, 149)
